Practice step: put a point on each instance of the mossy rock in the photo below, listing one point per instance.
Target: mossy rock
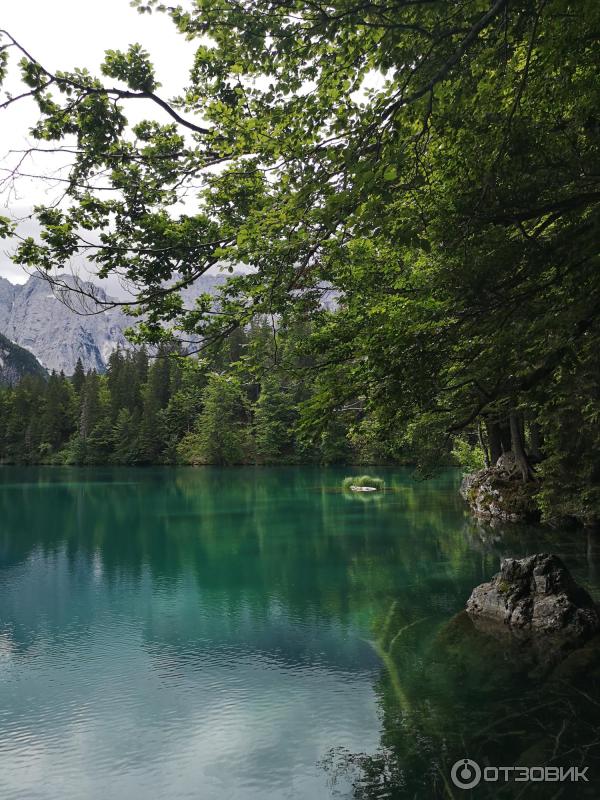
(491, 494)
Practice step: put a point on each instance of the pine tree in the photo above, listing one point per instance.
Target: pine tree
(78, 378)
(90, 405)
(140, 360)
(116, 382)
(22, 426)
(56, 421)
(150, 438)
(124, 438)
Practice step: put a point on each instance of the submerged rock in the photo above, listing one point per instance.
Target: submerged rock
(536, 595)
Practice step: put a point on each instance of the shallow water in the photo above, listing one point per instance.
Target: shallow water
(243, 633)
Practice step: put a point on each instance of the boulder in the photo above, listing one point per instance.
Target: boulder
(536, 595)
(495, 494)
(507, 466)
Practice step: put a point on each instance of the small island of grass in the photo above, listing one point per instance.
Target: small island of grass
(363, 483)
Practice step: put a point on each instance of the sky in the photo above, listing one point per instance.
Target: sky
(63, 34)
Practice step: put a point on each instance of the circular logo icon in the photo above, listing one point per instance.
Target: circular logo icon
(465, 773)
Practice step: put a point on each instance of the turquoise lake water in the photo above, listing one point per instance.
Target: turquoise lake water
(246, 634)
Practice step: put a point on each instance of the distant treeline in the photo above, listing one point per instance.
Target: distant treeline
(241, 405)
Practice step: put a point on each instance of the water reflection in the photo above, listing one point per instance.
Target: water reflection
(215, 633)
(454, 689)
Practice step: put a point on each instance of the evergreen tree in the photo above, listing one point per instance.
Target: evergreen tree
(158, 382)
(125, 438)
(23, 429)
(117, 382)
(184, 405)
(222, 432)
(99, 443)
(140, 363)
(124, 381)
(78, 378)
(150, 442)
(94, 433)
(57, 422)
(274, 420)
(90, 410)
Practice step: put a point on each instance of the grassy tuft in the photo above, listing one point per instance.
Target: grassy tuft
(363, 480)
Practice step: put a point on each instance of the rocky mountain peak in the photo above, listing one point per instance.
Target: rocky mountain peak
(57, 332)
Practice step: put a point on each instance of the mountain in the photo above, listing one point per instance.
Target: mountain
(58, 333)
(59, 330)
(16, 362)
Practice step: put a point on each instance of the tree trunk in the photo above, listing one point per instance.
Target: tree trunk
(483, 444)
(494, 439)
(536, 441)
(505, 436)
(518, 448)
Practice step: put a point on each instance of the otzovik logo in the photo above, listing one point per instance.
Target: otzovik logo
(466, 774)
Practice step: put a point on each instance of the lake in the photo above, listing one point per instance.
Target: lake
(242, 633)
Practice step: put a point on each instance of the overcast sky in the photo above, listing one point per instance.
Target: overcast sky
(75, 33)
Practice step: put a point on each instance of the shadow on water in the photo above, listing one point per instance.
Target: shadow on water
(272, 564)
(452, 690)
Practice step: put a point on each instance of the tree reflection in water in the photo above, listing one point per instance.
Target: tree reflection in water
(395, 570)
(451, 691)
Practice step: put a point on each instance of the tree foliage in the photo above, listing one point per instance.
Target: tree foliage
(435, 164)
(170, 409)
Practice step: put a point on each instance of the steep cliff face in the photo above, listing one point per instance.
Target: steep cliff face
(16, 362)
(58, 334)
(7, 299)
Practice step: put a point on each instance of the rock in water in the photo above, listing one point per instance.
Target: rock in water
(494, 493)
(536, 595)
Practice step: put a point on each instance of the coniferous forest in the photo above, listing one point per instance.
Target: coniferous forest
(435, 164)
(173, 409)
(401, 202)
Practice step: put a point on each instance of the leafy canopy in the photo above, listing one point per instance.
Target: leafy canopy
(435, 163)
